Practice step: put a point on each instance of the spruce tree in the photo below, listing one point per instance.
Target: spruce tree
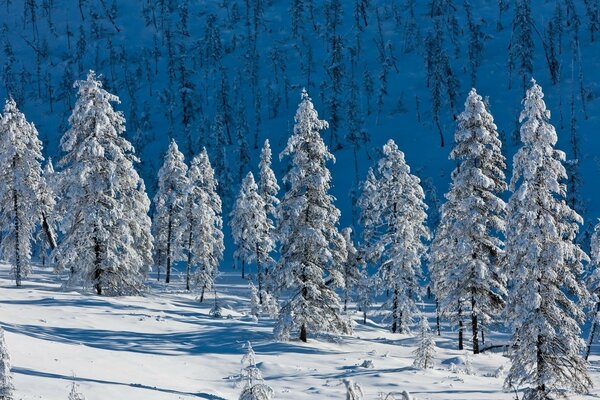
(466, 258)
(594, 287)
(251, 229)
(106, 229)
(22, 190)
(396, 230)
(169, 210)
(545, 300)
(312, 250)
(203, 224)
(425, 352)
(253, 384)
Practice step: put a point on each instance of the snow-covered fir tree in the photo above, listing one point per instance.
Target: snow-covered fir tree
(395, 227)
(594, 287)
(364, 293)
(255, 308)
(466, 256)
(312, 250)
(21, 192)
(47, 235)
(267, 183)
(425, 352)
(251, 229)
(352, 267)
(169, 210)
(251, 379)
(6, 379)
(353, 390)
(203, 224)
(545, 300)
(106, 229)
(74, 393)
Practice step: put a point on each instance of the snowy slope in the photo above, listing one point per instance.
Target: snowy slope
(165, 346)
(153, 52)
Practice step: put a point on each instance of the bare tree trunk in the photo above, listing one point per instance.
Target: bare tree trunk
(592, 332)
(259, 272)
(97, 270)
(169, 234)
(243, 268)
(437, 316)
(460, 327)
(17, 240)
(188, 270)
(395, 312)
(474, 326)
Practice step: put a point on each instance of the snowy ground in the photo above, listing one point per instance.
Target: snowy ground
(165, 346)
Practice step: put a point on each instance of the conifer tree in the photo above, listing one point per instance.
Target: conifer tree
(251, 229)
(544, 303)
(106, 229)
(594, 287)
(253, 384)
(75, 394)
(352, 267)
(425, 352)
(169, 203)
(6, 379)
(395, 229)
(267, 184)
(21, 193)
(203, 224)
(466, 258)
(312, 249)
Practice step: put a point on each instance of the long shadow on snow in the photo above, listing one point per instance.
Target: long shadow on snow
(30, 372)
(223, 339)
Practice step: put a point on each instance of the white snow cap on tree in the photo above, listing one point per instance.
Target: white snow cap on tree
(253, 384)
(425, 352)
(312, 249)
(107, 242)
(205, 222)
(394, 220)
(22, 189)
(169, 211)
(466, 258)
(6, 378)
(545, 300)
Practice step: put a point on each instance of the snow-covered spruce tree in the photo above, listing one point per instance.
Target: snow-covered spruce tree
(253, 384)
(106, 229)
(21, 191)
(353, 390)
(267, 183)
(169, 210)
(6, 379)
(425, 352)
(312, 250)
(203, 224)
(395, 226)
(594, 287)
(74, 393)
(364, 293)
(467, 263)
(544, 303)
(251, 229)
(352, 266)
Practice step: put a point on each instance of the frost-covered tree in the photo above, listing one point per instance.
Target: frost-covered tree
(74, 393)
(352, 267)
(364, 293)
(251, 229)
(395, 229)
(254, 301)
(169, 210)
(251, 379)
(46, 236)
(312, 250)
(594, 287)
(22, 188)
(267, 183)
(203, 224)
(6, 379)
(106, 229)
(467, 255)
(544, 303)
(425, 352)
(353, 390)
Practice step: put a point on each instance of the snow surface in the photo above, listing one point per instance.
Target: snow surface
(165, 346)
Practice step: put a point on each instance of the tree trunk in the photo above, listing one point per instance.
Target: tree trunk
(260, 274)
(482, 335)
(540, 368)
(303, 333)
(169, 234)
(364, 317)
(460, 327)
(97, 270)
(243, 268)
(475, 327)
(395, 312)
(48, 231)
(17, 240)
(592, 332)
(202, 294)
(188, 269)
(437, 316)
